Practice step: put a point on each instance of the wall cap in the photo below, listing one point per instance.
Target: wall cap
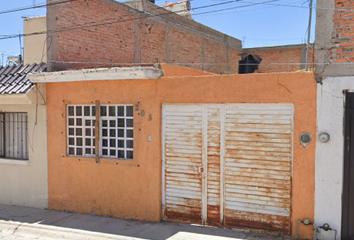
(116, 73)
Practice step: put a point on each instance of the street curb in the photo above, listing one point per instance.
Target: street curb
(38, 231)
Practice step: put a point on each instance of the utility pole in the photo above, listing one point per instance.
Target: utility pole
(308, 37)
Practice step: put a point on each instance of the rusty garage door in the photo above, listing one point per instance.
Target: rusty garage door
(228, 165)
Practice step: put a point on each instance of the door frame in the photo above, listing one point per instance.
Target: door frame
(348, 111)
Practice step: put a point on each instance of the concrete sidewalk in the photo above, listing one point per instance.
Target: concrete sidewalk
(31, 223)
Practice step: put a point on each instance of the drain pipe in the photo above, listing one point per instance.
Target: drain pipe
(327, 228)
(306, 222)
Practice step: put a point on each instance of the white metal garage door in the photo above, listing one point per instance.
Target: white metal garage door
(228, 164)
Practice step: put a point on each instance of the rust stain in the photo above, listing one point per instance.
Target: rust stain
(237, 219)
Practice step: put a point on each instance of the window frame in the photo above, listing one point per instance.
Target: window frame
(24, 139)
(102, 137)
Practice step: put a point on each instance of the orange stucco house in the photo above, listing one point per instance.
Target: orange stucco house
(189, 147)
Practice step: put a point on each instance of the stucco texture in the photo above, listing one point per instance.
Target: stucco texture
(26, 184)
(132, 189)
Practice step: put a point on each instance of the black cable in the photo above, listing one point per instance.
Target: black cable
(34, 7)
(85, 25)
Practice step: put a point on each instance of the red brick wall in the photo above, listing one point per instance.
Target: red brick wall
(343, 36)
(282, 58)
(131, 37)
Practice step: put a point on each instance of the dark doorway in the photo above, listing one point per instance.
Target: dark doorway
(348, 185)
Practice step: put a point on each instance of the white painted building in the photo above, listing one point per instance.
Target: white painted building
(23, 138)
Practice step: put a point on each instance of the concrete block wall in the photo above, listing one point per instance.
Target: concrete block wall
(107, 33)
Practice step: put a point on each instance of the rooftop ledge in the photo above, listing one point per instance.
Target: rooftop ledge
(115, 73)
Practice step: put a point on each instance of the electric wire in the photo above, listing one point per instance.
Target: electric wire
(34, 6)
(85, 25)
(99, 23)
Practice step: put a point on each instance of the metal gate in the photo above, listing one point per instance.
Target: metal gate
(228, 164)
(348, 180)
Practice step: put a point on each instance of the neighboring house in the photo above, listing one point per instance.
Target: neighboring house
(141, 32)
(109, 33)
(23, 138)
(334, 202)
(206, 149)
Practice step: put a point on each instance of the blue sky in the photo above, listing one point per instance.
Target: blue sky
(256, 22)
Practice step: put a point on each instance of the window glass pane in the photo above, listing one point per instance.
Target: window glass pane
(104, 123)
(129, 122)
(104, 142)
(87, 111)
(121, 143)
(112, 132)
(93, 111)
(112, 153)
(79, 142)
(71, 122)
(121, 111)
(71, 151)
(120, 132)
(112, 123)
(103, 111)
(71, 111)
(105, 151)
(129, 133)
(78, 131)
(79, 151)
(121, 154)
(88, 132)
(104, 132)
(78, 110)
(88, 150)
(88, 142)
(71, 141)
(121, 122)
(129, 143)
(112, 111)
(112, 143)
(129, 111)
(71, 131)
(129, 154)
(88, 123)
(78, 122)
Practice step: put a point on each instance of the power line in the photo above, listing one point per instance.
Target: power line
(34, 6)
(227, 9)
(189, 64)
(85, 25)
(253, 9)
(98, 23)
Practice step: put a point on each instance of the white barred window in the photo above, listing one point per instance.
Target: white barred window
(13, 136)
(115, 131)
